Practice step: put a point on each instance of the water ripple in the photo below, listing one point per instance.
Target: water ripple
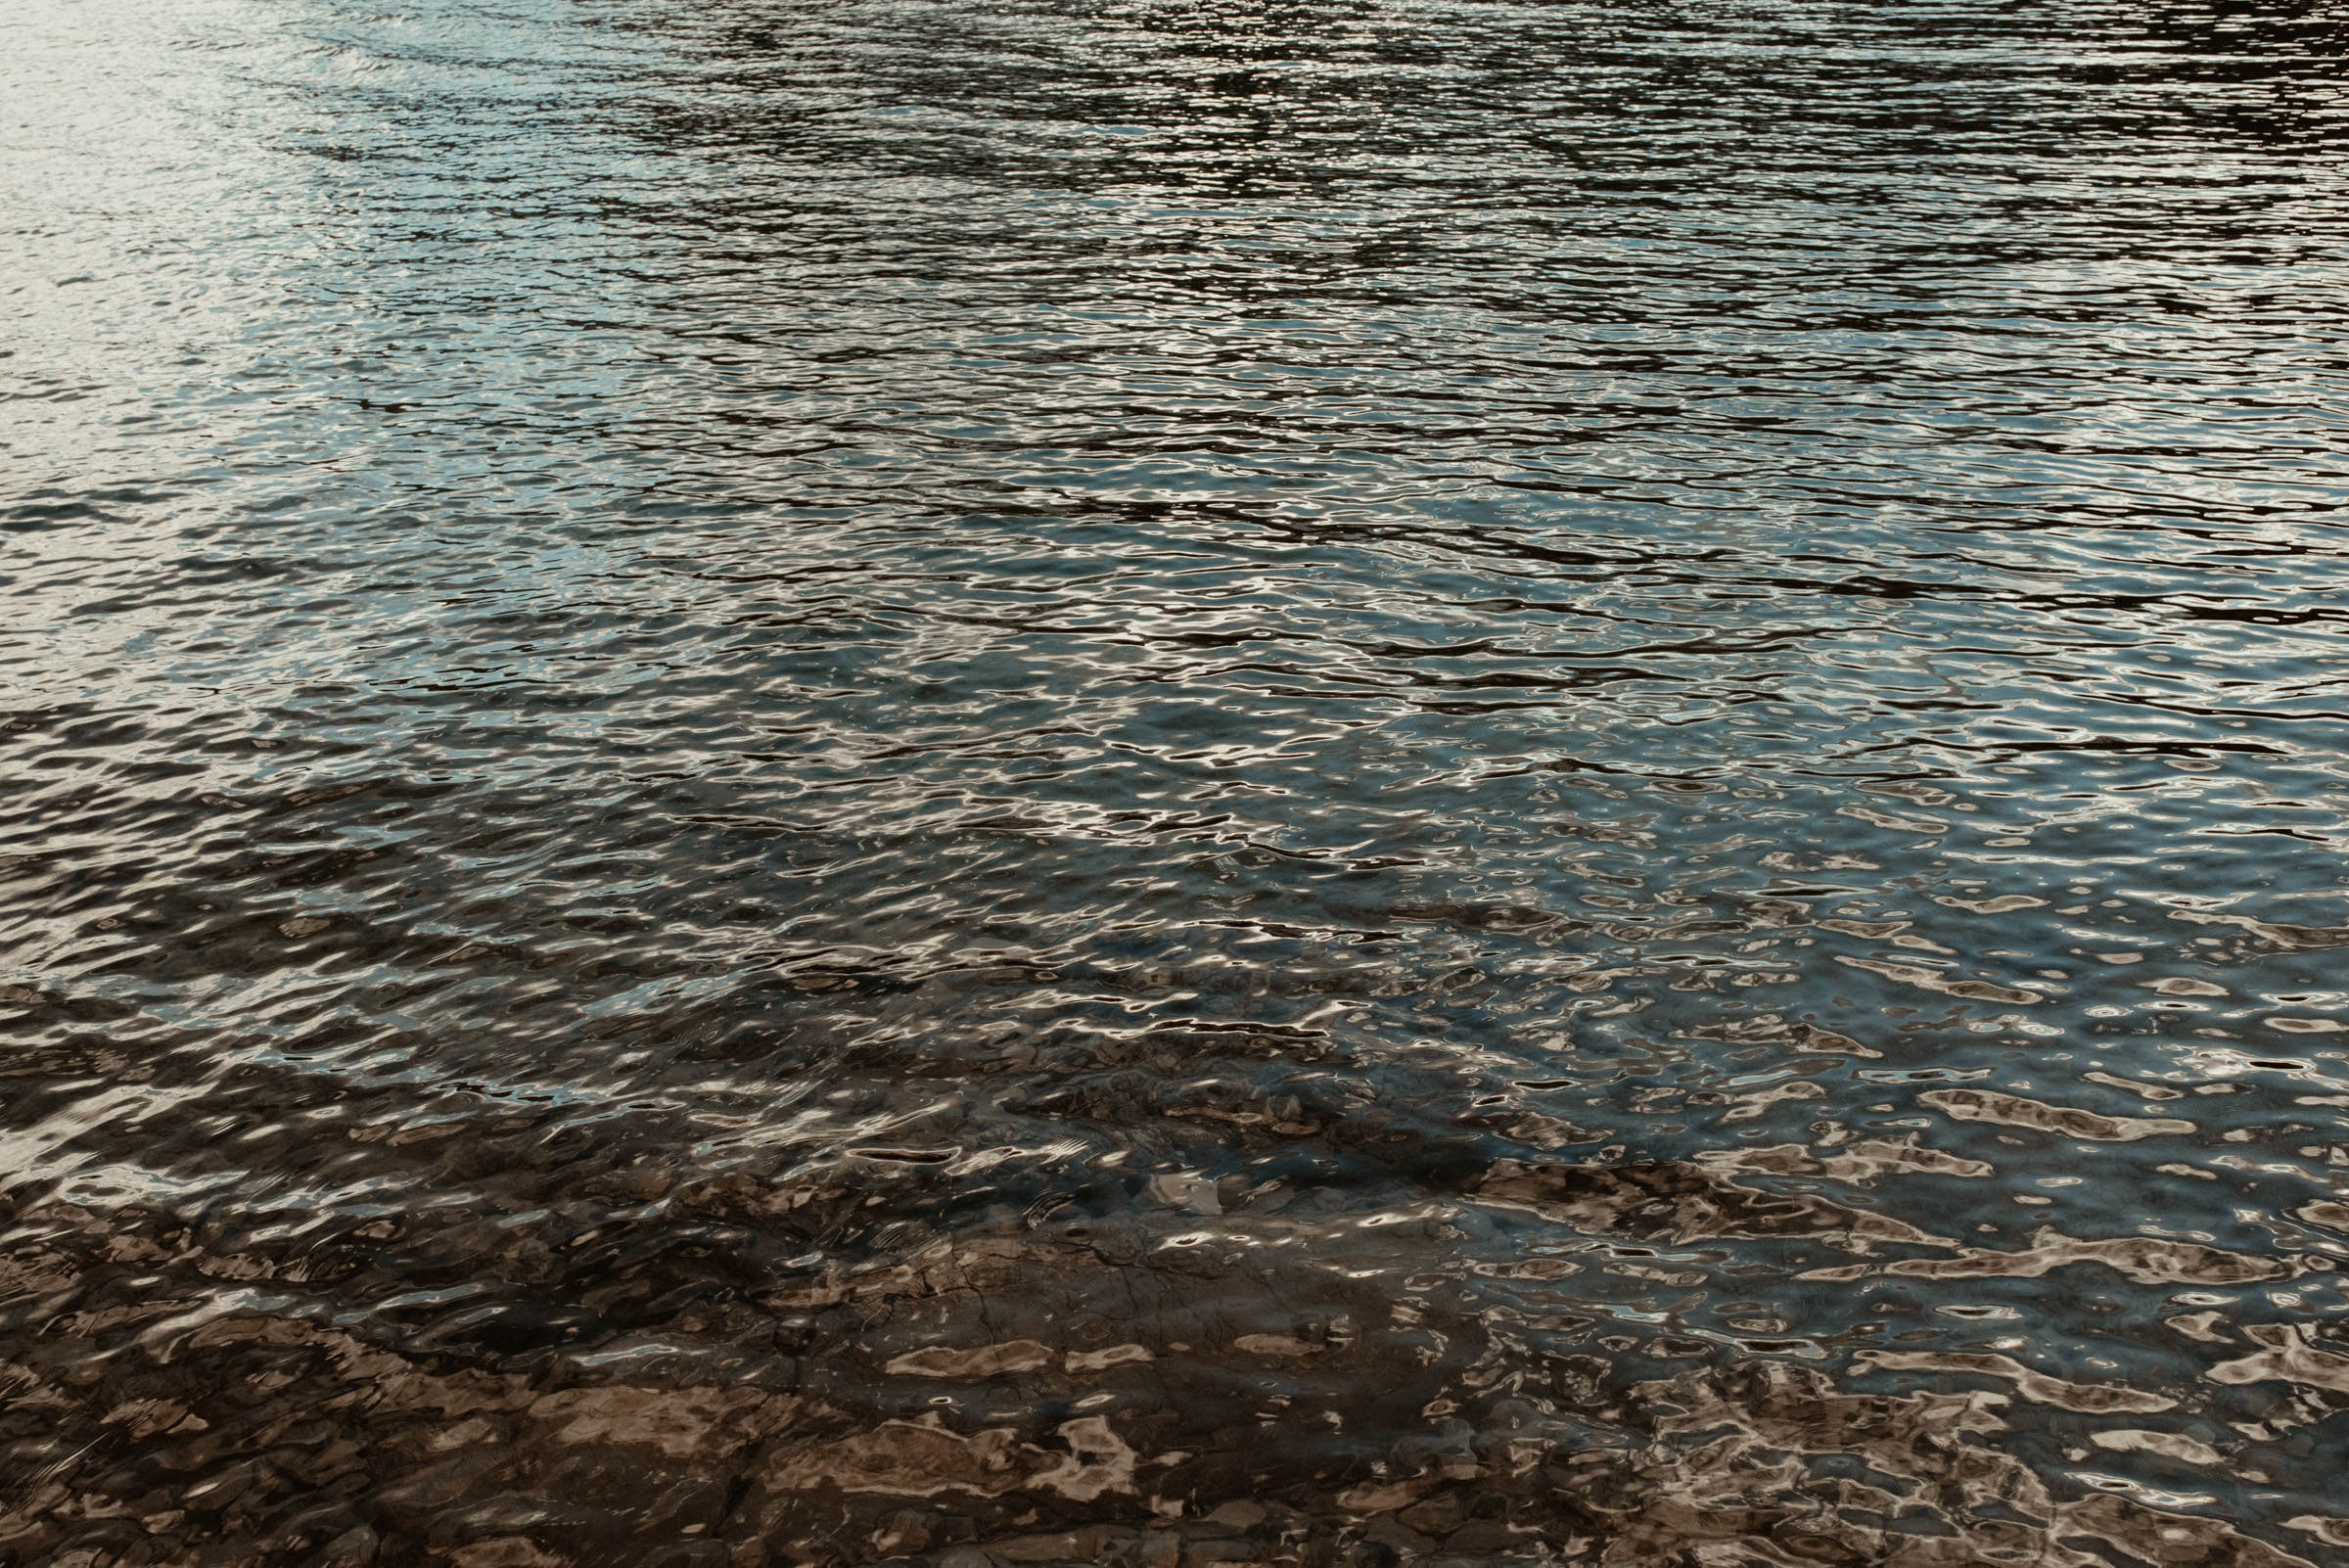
(1174, 783)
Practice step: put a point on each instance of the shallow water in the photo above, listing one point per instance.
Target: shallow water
(1149, 784)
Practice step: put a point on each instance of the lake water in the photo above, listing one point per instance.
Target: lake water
(1148, 783)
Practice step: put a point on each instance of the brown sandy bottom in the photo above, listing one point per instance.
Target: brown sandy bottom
(1185, 1381)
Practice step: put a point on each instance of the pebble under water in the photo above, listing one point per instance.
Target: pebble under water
(1162, 782)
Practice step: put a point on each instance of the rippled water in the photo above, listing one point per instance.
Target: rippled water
(1158, 783)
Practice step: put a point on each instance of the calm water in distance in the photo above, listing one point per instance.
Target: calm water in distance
(1148, 783)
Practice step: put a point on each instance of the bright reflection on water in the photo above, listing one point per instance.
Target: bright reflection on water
(1152, 783)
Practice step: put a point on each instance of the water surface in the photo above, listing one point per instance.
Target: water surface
(1160, 783)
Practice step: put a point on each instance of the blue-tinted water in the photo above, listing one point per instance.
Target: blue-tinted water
(1151, 783)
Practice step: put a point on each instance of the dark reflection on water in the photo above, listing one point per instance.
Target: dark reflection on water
(1160, 783)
